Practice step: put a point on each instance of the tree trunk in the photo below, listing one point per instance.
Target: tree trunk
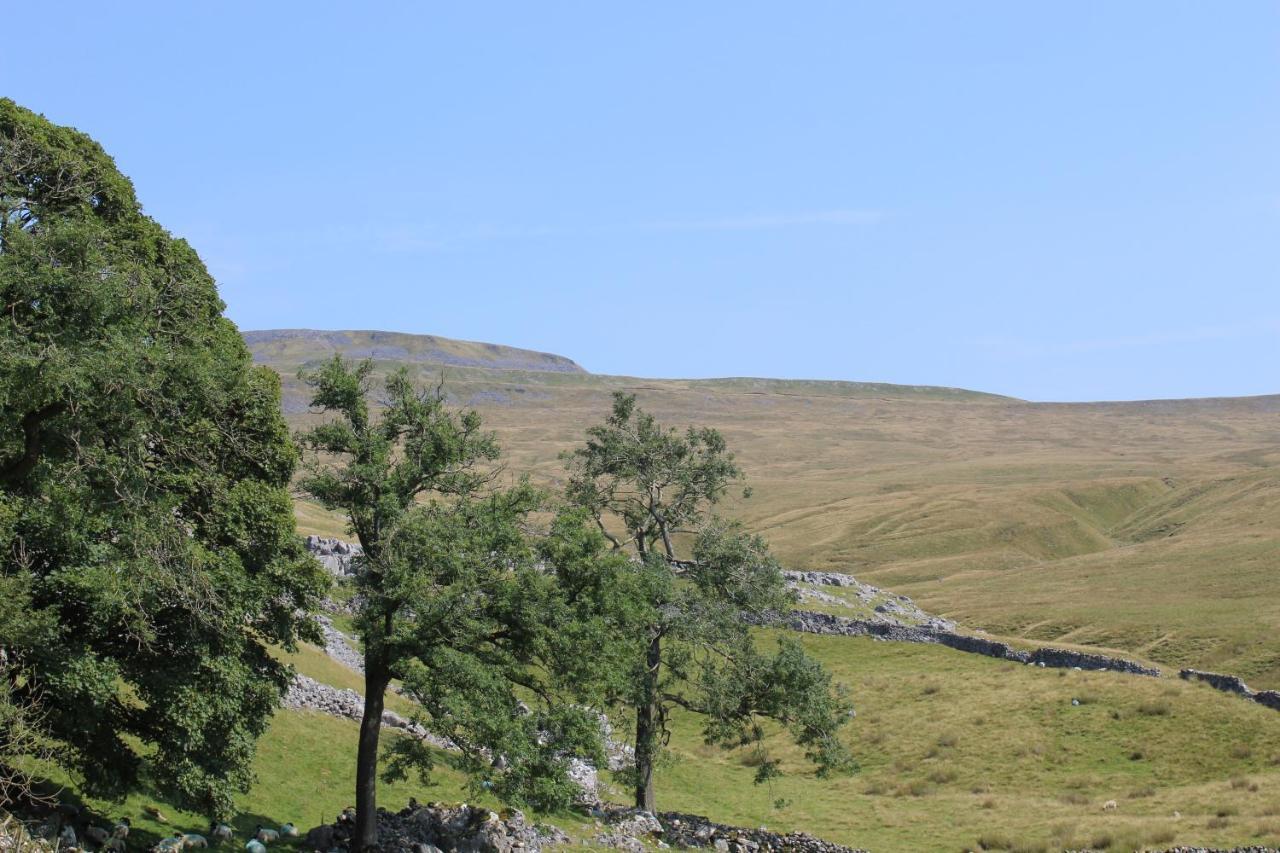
(376, 680)
(647, 724)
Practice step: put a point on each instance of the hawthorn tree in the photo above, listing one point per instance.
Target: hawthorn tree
(647, 488)
(148, 557)
(454, 598)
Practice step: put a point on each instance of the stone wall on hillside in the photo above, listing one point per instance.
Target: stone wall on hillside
(1233, 684)
(824, 623)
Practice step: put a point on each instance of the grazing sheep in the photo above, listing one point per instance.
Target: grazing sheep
(288, 831)
(266, 836)
(1109, 806)
(96, 834)
(220, 832)
(253, 845)
(172, 844)
(194, 841)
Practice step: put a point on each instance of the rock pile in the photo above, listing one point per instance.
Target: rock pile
(683, 830)
(433, 827)
(1221, 850)
(889, 607)
(338, 647)
(1233, 684)
(335, 555)
(308, 694)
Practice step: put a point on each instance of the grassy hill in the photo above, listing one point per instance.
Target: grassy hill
(1149, 527)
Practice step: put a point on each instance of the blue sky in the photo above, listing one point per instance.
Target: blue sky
(1058, 201)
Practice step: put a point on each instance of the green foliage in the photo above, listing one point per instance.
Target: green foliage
(451, 599)
(655, 481)
(147, 548)
(681, 624)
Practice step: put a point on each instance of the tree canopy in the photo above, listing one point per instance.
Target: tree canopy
(148, 557)
(478, 621)
(682, 621)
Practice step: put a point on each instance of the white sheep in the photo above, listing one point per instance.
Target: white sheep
(1109, 806)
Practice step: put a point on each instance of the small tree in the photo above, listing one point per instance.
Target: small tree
(148, 557)
(451, 600)
(691, 646)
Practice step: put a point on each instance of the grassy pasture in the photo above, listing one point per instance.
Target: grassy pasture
(953, 749)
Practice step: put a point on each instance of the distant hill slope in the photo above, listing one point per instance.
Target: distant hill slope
(287, 350)
(1151, 527)
(296, 346)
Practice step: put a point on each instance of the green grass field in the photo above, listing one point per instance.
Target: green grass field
(953, 748)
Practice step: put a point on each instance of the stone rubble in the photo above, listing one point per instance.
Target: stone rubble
(338, 646)
(684, 830)
(434, 827)
(889, 607)
(310, 695)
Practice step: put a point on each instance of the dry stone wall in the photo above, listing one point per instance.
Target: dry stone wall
(1233, 684)
(811, 622)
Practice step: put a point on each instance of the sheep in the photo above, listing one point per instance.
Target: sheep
(121, 829)
(288, 831)
(1109, 806)
(156, 814)
(220, 832)
(96, 834)
(266, 836)
(172, 844)
(253, 845)
(194, 841)
(115, 844)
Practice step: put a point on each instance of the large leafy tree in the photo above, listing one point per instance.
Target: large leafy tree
(480, 623)
(648, 489)
(147, 552)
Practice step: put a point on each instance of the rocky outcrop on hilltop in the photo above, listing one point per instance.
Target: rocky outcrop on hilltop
(1233, 684)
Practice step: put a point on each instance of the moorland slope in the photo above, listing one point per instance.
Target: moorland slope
(1147, 527)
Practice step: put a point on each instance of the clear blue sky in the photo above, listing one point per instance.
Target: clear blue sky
(1059, 201)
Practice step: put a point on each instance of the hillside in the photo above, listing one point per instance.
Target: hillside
(1148, 527)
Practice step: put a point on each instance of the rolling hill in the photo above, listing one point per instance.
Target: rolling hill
(1147, 527)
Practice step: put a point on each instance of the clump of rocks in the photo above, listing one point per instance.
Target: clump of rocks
(337, 556)
(889, 608)
(685, 830)
(436, 827)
